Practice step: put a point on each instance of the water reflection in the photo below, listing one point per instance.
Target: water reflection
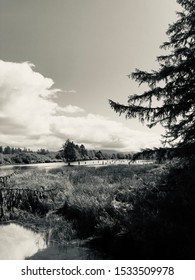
(53, 165)
(18, 243)
(69, 252)
(5, 168)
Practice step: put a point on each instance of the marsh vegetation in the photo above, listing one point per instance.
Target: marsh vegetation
(127, 212)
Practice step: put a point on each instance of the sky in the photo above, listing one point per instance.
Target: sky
(61, 61)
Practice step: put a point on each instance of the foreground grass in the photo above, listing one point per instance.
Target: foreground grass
(133, 211)
(89, 202)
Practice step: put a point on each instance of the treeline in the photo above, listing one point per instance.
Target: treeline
(158, 155)
(69, 153)
(73, 152)
(12, 150)
(12, 155)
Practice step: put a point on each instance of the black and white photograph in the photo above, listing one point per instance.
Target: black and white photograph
(97, 130)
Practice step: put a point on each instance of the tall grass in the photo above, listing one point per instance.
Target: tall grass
(130, 211)
(86, 196)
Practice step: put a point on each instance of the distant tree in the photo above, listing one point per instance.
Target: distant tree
(17, 150)
(159, 155)
(120, 156)
(113, 156)
(83, 152)
(99, 155)
(91, 154)
(7, 150)
(17, 158)
(105, 155)
(26, 158)
(59, 155)
(69, 151)
(173, 84)
(42, 152)
(1, 149)
(130, 156)
(1, 158)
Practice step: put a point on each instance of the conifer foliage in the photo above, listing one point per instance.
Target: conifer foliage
(173, 85)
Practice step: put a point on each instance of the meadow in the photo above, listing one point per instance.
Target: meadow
(130, 212)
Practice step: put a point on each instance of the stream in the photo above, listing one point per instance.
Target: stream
(20, 243)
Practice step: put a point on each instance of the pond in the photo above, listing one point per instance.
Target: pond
(5, 168)
(19, 243)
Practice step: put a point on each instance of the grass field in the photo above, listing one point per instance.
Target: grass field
(132, 212)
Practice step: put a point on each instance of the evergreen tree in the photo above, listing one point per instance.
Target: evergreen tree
(173, 84)
(91, 154)
(69, 151)
(7, 150)
(83, 152)
(113, 156)
(99, 155)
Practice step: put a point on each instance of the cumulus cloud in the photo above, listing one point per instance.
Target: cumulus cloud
(30, 117)
(102, 133)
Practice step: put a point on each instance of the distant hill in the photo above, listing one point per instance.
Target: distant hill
(110, 152)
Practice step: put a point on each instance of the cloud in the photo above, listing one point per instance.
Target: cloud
(70, 109)
(101, 133)
(68, 91)
(30, 117)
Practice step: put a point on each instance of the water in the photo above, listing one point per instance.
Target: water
(19, 243)
(53, 165)
(5, 169)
